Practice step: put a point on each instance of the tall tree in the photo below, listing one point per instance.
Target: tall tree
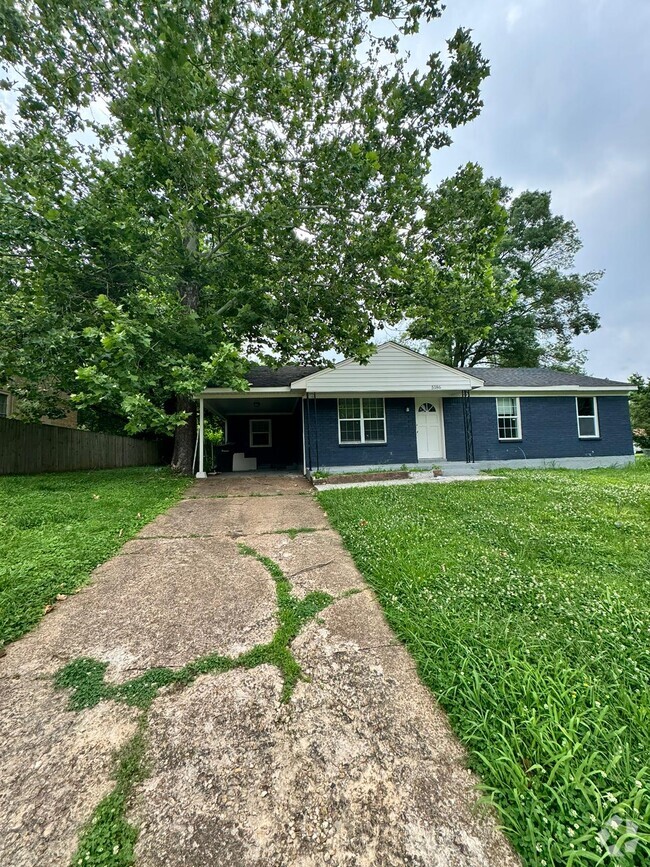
(190, 180)
(457, 295)
(640, 410)
(520, 303)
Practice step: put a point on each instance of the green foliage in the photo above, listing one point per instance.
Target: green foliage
(99, 420)
(293, 614)
(185, 183)
(85, 677)
(640, 411)
(525, 604)
(212, 431)
(496, 284)
(457, 296)
(119, 343)
(54, 530)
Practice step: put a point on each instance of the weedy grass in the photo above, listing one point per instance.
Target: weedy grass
(294, 531)
(55, 528)
(109, 839)
(526, 605)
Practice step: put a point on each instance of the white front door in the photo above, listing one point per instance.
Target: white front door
(429, 429)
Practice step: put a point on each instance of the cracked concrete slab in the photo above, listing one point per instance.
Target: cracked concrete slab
(55, 767)
(161, 602)
(313, 561)
(358, 768)
(250, 484)
(234, 517)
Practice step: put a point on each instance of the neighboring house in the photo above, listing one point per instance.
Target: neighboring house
(404, 408)
(10, 408)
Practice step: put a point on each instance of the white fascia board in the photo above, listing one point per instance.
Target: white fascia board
(408, 390)
(542, 391)
(386, 392)
(279, 391)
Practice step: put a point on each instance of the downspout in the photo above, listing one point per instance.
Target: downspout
(304, 437)
(201, 473)
(316, 425)
(308, 428)
(467, 425)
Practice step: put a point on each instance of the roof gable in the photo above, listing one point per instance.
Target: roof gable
(391, 368)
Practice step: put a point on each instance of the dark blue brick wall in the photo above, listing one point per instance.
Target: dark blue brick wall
(452, 410)
(400, 448)
(549, 429)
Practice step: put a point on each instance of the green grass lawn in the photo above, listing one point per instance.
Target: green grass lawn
(526, 604)
(55, 528)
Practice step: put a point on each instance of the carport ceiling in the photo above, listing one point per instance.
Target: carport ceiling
(225, 406)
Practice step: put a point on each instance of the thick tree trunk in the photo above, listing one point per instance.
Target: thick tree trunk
(185, 439)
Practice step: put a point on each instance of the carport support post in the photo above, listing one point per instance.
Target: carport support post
(201, 473)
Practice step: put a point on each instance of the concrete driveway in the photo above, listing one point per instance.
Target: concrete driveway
(284, 723)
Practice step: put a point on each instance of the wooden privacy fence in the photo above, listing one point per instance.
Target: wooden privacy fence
(44, 448)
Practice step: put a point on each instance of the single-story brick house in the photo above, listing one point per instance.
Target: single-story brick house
(404, 408)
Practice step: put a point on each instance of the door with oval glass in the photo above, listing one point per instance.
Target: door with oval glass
(429, 429)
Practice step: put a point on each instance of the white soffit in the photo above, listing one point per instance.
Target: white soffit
(393, 368)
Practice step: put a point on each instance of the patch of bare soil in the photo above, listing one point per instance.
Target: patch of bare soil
(346, 478)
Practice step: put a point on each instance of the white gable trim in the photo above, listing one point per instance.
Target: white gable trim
(392, 368)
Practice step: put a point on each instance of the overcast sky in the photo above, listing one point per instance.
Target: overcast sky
(567, 109)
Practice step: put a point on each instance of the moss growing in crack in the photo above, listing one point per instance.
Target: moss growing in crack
(108, 840)
(351, 592)
(294, 531)
(86, 677)
(293, 614)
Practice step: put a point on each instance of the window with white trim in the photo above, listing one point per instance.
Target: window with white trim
(4, 405)
(587, 412)
(260, 433)
(509, 418)
(362, 420)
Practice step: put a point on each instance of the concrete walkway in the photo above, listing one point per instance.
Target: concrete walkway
(349, 763)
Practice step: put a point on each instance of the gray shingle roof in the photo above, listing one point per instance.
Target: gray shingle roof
(536, 377)
(506, 377)
(276, 377)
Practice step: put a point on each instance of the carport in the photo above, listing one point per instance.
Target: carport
(262, 429)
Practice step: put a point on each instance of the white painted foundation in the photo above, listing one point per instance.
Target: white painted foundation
(461, 468)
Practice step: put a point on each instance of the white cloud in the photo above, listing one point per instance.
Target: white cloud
(585, 189)
(513, 15)
(615, 352)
